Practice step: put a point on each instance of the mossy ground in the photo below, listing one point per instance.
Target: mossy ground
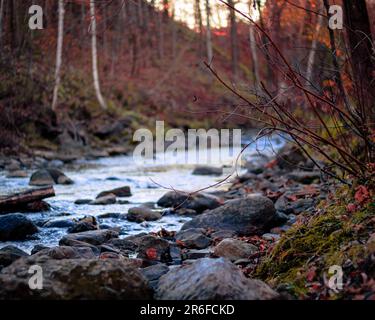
(300, 262)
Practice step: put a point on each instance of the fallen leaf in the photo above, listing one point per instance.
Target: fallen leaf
(152, 253)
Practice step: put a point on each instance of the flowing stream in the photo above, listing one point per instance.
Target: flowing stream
(145, 179)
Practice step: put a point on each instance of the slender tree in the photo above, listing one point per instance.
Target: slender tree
(253, 50)
(312, 53)
(208, 32)
(60, 39)
(1, 22)
(335, 62)
(362, 53)
(234, 39)
(95, 72)
(199, 24)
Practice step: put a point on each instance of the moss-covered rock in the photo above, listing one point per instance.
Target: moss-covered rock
(300, 262)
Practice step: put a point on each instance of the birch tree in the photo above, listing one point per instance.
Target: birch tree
(312, 54)
(208, 33)
(95, 72)
(60, 39)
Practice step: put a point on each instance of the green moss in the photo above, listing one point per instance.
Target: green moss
(328, 238)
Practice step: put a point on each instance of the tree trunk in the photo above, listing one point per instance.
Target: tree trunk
(253, 50)
(362, 54)
(83, 24)
(199, 25)
(95, 72)
(161, 36)
(234, 40)
(312, 54)
(1, 23)
(265, 44)
(60, 39)
(208, 33)
(174, 32)
(335, 62)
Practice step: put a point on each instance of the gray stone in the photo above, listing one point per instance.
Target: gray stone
(67, 252)
(140, 214)
(211, 279)
(59, 224)
(75, 279)
(207, 171)
(193, 238)
(193, 254)
(105, 200)
(153, 248)
(198, 202)
(95, 238)
(247, 216)
(16, 226)
(234, 249)
(45, 177)
(118, 192)
(9, 254)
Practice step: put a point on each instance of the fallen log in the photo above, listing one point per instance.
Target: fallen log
(24, 200)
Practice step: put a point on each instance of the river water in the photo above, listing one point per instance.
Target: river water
(147, 181)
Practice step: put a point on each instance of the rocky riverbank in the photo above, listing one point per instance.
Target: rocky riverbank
(233, 247)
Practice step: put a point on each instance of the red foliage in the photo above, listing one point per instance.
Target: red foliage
(362, 195)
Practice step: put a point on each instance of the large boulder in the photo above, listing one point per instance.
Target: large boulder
(234, 249)
(198, 202)
(75, 279)
(211, 279)
(140, 214)
(96, 237)
(16, 226)
(247, 216)
(48, 177)
(9, 254)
